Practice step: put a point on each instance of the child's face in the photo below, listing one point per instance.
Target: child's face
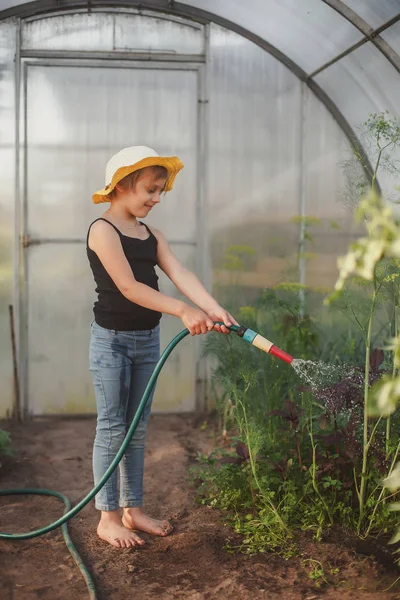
(145, 195)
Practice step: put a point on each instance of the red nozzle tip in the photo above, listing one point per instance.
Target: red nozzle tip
(281, 354)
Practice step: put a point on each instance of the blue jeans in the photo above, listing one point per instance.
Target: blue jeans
(121, 363)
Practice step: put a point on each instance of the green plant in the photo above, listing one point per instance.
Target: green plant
(316, 572)
(363, 260)
(300, 457)
(5, 443)
(296, 449)
(378, 138)
(383, 135)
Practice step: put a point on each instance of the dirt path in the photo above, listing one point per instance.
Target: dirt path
(190, 564)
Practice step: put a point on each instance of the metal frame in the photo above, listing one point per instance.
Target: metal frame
(303, 195)
(115, 55)
(27, 241)
(203, 267)
(67, 61)
(23, 242)
(18, 217)
(24, 262)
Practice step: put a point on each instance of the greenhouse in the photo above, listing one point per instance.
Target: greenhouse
(285, 115)
(259, 103)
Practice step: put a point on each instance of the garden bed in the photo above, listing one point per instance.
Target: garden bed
(192, 563)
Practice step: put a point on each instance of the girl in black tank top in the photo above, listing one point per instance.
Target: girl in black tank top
(112, 309)
(124, 348)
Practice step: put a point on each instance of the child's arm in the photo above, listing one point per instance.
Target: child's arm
(189, 284)
(104, 240)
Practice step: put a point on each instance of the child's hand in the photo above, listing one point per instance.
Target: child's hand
(217, 313)
(195, 320)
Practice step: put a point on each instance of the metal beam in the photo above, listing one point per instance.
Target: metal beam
(388, 24)
(350, 15)
(182, 10)
(28, 241)
(117, 55)
(370, 35)
(40, 7)
(18, 212)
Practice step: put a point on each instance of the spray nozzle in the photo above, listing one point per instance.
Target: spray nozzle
(260, 342)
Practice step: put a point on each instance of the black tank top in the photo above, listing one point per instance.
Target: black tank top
(112, 310)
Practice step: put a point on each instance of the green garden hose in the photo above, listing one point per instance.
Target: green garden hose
(69, 512)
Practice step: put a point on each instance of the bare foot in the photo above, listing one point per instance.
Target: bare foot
(111, 530)
(135, 518)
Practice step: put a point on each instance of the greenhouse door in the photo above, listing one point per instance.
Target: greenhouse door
(75, 116)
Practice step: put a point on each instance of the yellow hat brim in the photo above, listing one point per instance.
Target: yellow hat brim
(172, 163)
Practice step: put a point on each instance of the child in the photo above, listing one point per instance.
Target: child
(124, 345)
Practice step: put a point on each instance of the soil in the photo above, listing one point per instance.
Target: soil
(191, 563)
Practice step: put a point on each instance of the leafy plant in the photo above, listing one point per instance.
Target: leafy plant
(362, 261)
(291, 451)
(310, 456)
(5, 443)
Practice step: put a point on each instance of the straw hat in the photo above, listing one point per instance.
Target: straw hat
(131, 159)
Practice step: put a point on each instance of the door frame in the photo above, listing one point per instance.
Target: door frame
(31, 58)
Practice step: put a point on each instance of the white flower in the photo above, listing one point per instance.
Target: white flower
(392, 482)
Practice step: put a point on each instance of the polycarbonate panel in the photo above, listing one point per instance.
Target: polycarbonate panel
(157, 34)
(374, 12)
(65, 165)
(10, 3)
(7, 204)
(309, 32)
(8, 36)
(254, 168)
(60, 299)
(66, 161)
(61, 295)
(176, 386)
(331, 179)
(360, 84)
(392, 36)
(82, 31)
(99, 31)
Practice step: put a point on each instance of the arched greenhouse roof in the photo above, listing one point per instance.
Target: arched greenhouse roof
(346, 51)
